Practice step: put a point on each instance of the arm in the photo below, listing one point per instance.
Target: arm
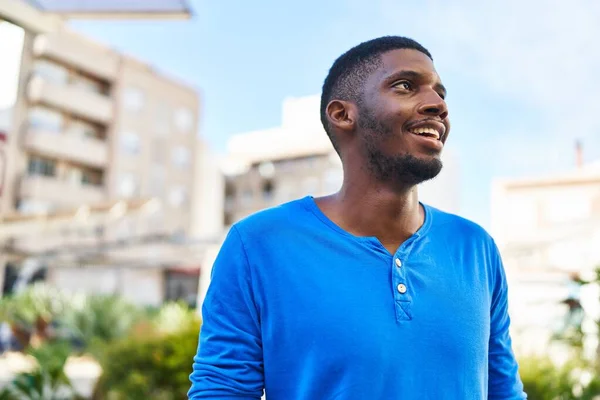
(504, 382)
(229, 361)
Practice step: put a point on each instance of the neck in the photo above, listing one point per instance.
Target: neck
(366, 207)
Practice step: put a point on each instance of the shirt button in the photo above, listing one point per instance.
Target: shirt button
(398, 263)
(402, 288)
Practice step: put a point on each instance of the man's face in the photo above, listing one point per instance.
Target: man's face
(403, 119)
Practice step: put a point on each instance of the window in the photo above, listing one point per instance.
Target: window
(178, 196)
(181, 157)
(130, 143)
(133, 99)
(229, 189)
(41, 166)
(184, 120)
(182, 285)
(51, 71)
(45, 119)
(87, 84)
(91, 177)
(84, 129)
(268, 189)
(128, 185)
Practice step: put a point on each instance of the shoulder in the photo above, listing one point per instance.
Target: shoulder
(460, 229)
(282, 218)
(457, 225)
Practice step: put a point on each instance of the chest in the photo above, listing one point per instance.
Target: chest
(360, 305)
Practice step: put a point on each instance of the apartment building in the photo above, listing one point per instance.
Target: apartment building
(95, 126)
(94, 129)
(548, 230)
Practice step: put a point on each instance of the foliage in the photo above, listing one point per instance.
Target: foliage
(100, 318)
(543, 380)
(174, 317)
(38, 301)
(48, 381)
(149, 368)
(31, 313)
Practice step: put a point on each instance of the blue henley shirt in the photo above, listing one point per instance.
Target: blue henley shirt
(307, 311)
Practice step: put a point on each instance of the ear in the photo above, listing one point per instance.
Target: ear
(342, 115)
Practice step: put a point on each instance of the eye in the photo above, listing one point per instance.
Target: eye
(404, 85)
(442, 95)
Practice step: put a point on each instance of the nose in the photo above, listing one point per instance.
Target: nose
(434, 106)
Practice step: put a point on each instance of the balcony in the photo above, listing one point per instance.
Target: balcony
(88, 105)
(60, 192)
(95, 60)
(83, 150)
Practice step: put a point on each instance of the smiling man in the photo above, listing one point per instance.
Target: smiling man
(366, 293)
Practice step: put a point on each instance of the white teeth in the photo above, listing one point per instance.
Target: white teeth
(427, 131)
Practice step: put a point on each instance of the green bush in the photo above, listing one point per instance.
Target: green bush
(47, 381)
(30, 313)
(151, 367)
(100, 318)
(174, 317)
(543, 380)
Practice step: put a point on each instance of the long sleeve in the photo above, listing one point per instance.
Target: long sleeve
(229, 361)
(504, 382)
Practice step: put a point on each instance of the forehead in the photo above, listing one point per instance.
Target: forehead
(406, 60)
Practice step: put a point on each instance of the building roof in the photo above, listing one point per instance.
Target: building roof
(300, 135)
(589, 172)
(162, 9)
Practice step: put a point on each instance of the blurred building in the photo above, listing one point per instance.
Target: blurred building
(548, 230)
(269, 167)
(96, 126)
(109, 142)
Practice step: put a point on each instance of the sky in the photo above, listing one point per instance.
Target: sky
(11, 45)
(521, 75)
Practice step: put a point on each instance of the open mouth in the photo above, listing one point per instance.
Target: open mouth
(427, 132)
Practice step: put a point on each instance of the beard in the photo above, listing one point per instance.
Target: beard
(401, 169)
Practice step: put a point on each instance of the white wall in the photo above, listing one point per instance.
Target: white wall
(208, 195)
(11, 48)
(140, 286)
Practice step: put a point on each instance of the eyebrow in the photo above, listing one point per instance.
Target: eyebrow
(413, 75)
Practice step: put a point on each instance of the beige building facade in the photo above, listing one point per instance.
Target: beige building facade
(92, 129)
(92, 126)
(548, 230)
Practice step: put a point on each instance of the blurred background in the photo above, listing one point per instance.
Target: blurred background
(133, 134)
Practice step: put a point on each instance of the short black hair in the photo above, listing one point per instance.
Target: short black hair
(348, 73)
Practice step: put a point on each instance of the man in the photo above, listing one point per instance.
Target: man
(367, 293)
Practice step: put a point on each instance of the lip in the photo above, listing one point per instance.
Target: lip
(436, 144)
(429, 123)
